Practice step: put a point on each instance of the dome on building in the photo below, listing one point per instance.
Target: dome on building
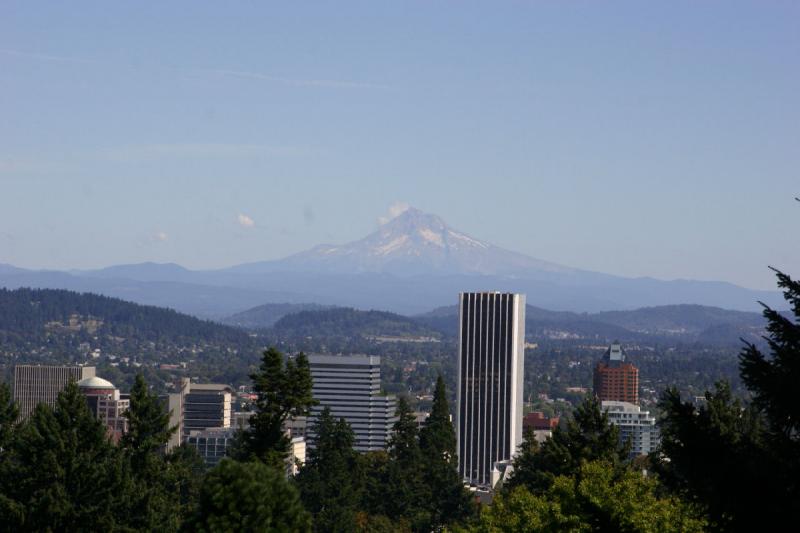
(95, 383)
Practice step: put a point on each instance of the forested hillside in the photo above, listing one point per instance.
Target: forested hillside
(349, 323)
(57, 326)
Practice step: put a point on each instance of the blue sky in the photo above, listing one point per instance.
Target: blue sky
(624, 137)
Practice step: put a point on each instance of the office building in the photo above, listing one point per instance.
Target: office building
(615, 379)
(635, 426)
(174, 404)
(206, 406)
(490, 368)
(211, 444)
(105, 403)
(34, 384)
(351, 387)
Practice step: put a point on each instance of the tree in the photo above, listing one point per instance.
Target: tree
(407, 494)
(714, 456)
(284, 390)
(450, 502)
(330, 480)
(8, 416)
(587, 436)
(595, 498)
(148, 424)
(248, 497)
(772, 381)
(742, 461)
(63, 473)
(156, 497)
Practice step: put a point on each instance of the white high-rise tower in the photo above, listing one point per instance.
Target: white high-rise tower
(490, 367)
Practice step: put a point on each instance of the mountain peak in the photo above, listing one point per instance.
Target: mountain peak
(414, 242)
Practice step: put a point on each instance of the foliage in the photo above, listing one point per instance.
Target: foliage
(586, 436)
(742, 461)
(406, 494)
(148, 423)
(330, 480)
(8, 416)
(449, 501)
(248, 496)
(597, 497)
(772, 380)
(284, 390)
(62, 472)
(347, 322)
(156, 497)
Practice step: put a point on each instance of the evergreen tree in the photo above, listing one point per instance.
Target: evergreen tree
(156, 498)
(714, 456)
(284, 391)
(329, 482)
(742, 461)
(450, 502)
(148, 424)
(63, 472)
(8, 416)
(772, 380)
(407, 494)
(248, 497)
(586, 436)
(185, 470)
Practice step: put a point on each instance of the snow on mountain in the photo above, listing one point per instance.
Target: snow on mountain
(412, 243)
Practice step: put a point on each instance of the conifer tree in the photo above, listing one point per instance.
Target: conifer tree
(450, 502)
(64, 473)
(156, 498)
(148, 424)
(743, 461)
(8, 416)
(407, 495)
(772, 381)
(330, 480)
(248, 497)
(284, 391)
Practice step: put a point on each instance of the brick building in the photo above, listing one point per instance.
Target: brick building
(616, 379)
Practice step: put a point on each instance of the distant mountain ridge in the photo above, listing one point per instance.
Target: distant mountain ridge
(410, 264)
(686, 323)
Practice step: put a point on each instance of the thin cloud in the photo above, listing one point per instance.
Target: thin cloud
(245, 221)
(221, 72)
(161, 236)
(395, 210)
(296, 82)
(220, 150)
(46, 57)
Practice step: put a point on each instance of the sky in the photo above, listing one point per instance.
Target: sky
(633, 138)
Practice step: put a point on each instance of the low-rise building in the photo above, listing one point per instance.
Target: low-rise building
(105, 403)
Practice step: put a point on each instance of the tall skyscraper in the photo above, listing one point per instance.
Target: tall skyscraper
(35, 384)
(490, 368)
(351, 387)
(615, 379)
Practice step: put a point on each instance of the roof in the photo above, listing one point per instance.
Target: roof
(95, 383)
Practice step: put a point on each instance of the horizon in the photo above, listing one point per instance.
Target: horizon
(535, 127)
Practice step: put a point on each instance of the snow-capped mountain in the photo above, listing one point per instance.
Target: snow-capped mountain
(412, 243)
(410, 264)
